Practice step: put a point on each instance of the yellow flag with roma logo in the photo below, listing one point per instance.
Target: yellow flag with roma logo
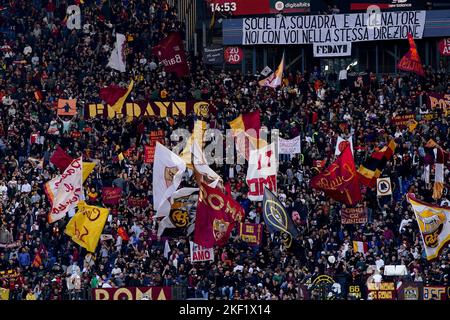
(87, 225)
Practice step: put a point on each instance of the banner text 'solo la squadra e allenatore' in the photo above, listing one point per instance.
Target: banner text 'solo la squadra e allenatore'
(339, 28)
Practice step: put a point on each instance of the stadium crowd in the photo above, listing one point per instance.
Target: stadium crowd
(39, 53)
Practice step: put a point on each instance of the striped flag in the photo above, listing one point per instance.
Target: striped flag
(371, 170)
(360, 246)
(438, 186)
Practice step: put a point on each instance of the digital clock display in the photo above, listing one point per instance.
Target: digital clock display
(258, 7)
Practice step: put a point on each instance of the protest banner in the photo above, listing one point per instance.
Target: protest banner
(381, 291)
(158, 109)
(401, 121)
(354, 215)
(111, 195)
(149, 151)
(331, 29)
(434, 293)
(132, 293)
(250, 233)
(439, 101)
(134, 202)
(213, 55)
(10, 274)
(410, 291)
(291, 146)
(200, 253)
(332, 50)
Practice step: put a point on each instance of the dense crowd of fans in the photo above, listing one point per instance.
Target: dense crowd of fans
(39, 53)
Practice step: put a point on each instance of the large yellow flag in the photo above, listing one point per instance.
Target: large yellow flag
(86, 226)
(87, 169)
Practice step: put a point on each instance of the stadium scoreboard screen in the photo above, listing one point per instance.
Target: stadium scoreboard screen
(258, 7)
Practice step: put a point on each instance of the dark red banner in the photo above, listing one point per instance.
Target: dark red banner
(250, 233)
(134, 202)
(132, 293)
(111, 195)
(170, 51)
(444, 47)
(403, 120)
(149, 151)
(233, 55)
(353, 215)
(159, 109)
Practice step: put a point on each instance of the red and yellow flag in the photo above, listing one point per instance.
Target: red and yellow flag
(411, 60)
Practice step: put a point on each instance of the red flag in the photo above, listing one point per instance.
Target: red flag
(216, 217)
(112, 93)
(228, 188)
(170, 51)
(123, 234)
(411, 60)
(61, 159)
(340, 180)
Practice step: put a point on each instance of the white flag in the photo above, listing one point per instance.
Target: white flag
(117, 58)
(342, 143)
(69, 190)
(166, 222)
(262, 172)
(291, 146)
(201, 165)
(168, 169)
(166, 250)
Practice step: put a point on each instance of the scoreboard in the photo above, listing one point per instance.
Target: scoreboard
(258, 7)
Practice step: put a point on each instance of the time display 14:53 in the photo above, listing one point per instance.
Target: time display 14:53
(226, 6)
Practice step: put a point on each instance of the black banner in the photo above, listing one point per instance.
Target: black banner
(213, 55)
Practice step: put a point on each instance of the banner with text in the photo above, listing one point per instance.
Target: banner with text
(354, 215)
(337, 28)
(149, 151)
(251, 233)
(159, 109)
(439, 101)
(133, 293)
(332, 50)
(199, 253)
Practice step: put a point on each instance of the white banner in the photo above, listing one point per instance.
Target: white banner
(291, 146)
(68, 190)
(199, 253)
(384, 187)
(336, 28)
(332, 50)
(262, 171)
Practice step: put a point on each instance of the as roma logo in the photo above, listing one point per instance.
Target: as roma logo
(169, 174)
(220, 228)
(179, 218)
(431, 224)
